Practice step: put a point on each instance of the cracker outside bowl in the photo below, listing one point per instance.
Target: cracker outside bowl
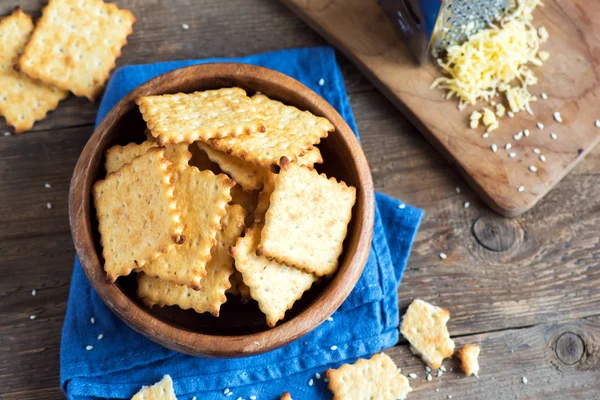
(190, 334)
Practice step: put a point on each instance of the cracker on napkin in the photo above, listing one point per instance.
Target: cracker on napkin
(376, 378)
(307, 219)
(468, 357)
(75, 45)
(187, 117)
(202, 198)
(289, 133)
(137, 214)
(424, 326)
(162, 390)
(22, 99)
(156, 291)
(117, 155)
(275, 286)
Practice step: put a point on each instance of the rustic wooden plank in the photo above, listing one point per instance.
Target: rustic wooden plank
(50, 393)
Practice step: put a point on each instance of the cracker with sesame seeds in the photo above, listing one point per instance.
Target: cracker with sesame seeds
(187, 117)
(424, 326)
(202, 198)
(468, 356)
(117, 156)
(23, 100)
(289, 133)
(137, 214)
(307, 219)
(275, 286)
(162, 390)
(75, 45)
(376, 378)
(156, 291)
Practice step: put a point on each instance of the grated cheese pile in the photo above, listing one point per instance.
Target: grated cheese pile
(494, 61)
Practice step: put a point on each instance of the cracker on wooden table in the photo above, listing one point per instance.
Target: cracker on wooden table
(137, 214)
(246, 174)
(117, 155)
(289, 133)
(424, 326)
(22, 99)
(286, 396)
(162, 390)
(468, 357)
(187, 117)
(156, 291)
(275, 286)
(376, 378)
(202, 198)
(238, 287)
(307, 219)
(75, 45)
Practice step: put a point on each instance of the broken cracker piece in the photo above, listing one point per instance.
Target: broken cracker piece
(162, 390)
(307, 219)
(117, 155)
(23, 101)
(137, 214)
(376, 378)
(286, 396)
(275, 287)
(239, 288)
(311, 157)
(75, 45)
(156, 291)
(424, 326)
(289, 133)
(202, 198)
(468, 359)
(187, 117)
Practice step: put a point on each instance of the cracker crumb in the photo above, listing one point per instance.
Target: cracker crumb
(32, 317)
(185, 27)
(532, 168)
(494, 147)
(311, 382)
(554, 136)
(544, 96)
(93, 320)
(543, 158)
(321, 82)
(49, 206)
(524, 380)
(88, 347)
(47, 185)
(466, 204)
(412, 375)
(402, 206)
(100, 336)
(521, 189)
(557, 117)
(443, 256)
(512, 154)
(333, 348)
(33, 292)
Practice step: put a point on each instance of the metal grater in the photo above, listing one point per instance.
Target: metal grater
(431, 26)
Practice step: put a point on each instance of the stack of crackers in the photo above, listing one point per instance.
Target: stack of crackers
(249, 215)
(73, 47)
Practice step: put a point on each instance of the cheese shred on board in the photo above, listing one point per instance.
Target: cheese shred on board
(494, 61)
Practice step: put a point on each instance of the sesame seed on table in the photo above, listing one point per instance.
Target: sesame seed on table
(524, 289)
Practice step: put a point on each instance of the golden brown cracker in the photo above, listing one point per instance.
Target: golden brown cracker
(202, 198)
(187, 117)
(248, 200)
(162, 390)
(286, 396)
(376, 378)
(137, 214)
(424, 326)
(289, 133)
(239, 288)
(117, 155)
(307, 219)
(275, 287)
(264, 198)
(75, 45)
(156, 291)
(311, 157)
(22, 99)
(468, 357)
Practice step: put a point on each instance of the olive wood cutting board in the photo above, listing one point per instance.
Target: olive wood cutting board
(570, 78)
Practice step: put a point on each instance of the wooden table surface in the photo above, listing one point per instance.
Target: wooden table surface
(527, 290)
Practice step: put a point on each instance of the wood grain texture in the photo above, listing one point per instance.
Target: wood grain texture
(361, 31)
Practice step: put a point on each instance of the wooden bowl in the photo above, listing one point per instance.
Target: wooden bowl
(241, 329)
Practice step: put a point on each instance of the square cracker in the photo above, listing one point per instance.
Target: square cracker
(424, 326)
(307, 219)
(75, 44)
(187, 117)
(156, 291)
(202, 198)
(117, 155)
(275, 287)
(137, 214)
(22, 99)
(376, 378)
(162, 390)
(289, 133)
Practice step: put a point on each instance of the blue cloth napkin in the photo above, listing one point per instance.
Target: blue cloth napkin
(122, 360)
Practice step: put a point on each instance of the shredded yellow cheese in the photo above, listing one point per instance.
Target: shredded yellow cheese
(495, 60)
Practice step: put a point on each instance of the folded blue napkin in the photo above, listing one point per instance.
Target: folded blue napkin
(121, 360)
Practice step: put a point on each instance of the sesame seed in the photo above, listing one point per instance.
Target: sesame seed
(443, 369)
(429, 377)
(185, 27)
(240, 398)
(318, 375)
(48, 206)
(557, 116)
(466, 204)
(526, 132)
(543, 158)
(412, 375)
(597, 123)
(333, 348)
(311, 382)
(508, 146)
(93, 320)
(544, 96)
(437, 390)
(443, 256)
(512, 154)
(229, 394)
(399, 370)
(540, 125)
(252, 397)
(226, 391)
(524, 380)
(321, 82)
(47, 185)
(532, 168)
(427, 368)
(554, 136)
(402, 206)
(485, 135)
(330, 319)
(33, 292)
(457, 190)
(100, 336)
(536, 151)
(6, 133)
(194, 398)
(521, 189)
(88, 347)
(510, 114)
(32, 317)
(494, 148)
(449, 396)
(326, 380)
(440, 373)
(518, 136)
